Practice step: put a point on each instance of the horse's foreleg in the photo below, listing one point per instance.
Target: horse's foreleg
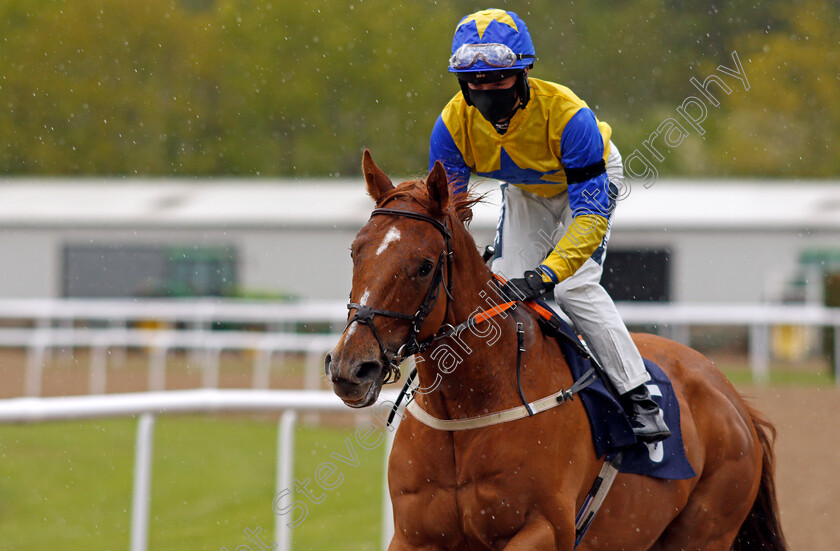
(536, 535)
(399, 543)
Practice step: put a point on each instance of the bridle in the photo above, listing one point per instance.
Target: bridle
(364, 314)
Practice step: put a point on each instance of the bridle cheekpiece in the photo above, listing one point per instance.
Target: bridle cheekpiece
(364, 314)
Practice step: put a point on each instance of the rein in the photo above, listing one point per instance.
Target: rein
(528, 409)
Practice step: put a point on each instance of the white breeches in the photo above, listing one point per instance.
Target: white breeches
(529, 228)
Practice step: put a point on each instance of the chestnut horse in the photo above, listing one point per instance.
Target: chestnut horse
(517, 485)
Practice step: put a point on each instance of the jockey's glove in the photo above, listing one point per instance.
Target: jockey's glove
(530, 287)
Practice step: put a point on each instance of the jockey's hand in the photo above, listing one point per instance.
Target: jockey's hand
(529, 287)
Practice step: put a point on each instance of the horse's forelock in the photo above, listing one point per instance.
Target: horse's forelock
(413, 189)
(460, 204)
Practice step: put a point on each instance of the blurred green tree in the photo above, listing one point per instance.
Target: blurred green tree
(282, 87)
(787, 123)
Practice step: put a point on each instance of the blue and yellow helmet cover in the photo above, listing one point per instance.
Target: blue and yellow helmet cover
(494, 26)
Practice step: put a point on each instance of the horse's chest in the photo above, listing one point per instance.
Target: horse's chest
(475, 496)
(486, 508)
(447, 497)
(493, 503)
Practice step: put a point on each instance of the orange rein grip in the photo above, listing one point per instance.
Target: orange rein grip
(542, 312)
(498, 309)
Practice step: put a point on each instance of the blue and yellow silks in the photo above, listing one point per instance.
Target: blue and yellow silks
(555, 131)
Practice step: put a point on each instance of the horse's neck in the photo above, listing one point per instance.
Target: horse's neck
(472, 370)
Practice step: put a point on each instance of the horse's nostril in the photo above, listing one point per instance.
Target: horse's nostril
(327, 362)
(368, 370)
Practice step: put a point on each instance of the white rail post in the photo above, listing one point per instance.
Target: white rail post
(210, 367)
(262, 367)
(142, 496)
(313, 369)
(387, 505)
(285, 471)
(118, 352)
(66, 357)
(35, 358)
(837, 356)
(200, 328)
(680, 332)
(157, 367)
(759, 352)
(98, 366)
(280, 358)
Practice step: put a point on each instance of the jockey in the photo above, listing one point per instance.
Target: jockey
(556, 162)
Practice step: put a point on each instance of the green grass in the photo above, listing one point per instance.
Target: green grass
(809, 372)
(782, 378)
(68, 486)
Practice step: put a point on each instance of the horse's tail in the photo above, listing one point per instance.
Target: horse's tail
(762, 528)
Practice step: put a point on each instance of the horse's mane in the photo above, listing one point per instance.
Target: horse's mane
(459, 204)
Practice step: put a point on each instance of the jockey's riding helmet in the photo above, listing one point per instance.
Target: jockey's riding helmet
(491, 45)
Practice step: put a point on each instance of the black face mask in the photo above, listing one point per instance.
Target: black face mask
(494, 105)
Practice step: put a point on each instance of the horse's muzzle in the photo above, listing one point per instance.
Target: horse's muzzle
(357, 383)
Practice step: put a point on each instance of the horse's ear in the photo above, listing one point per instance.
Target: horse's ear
(438, 187)
(377, 182)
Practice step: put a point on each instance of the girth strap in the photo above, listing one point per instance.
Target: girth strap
(597, 495)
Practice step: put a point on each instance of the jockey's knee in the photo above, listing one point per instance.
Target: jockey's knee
(584, 285)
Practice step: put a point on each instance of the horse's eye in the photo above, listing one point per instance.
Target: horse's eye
(426, 268)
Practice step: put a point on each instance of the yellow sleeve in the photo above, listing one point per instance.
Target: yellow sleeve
(581, 239)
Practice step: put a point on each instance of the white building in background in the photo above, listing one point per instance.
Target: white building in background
(679, 240)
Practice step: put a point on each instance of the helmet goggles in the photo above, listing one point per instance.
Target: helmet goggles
(497, 56)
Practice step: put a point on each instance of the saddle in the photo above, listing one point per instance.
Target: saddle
(611, 431)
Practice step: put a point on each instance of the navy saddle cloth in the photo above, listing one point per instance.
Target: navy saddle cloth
(611, 431)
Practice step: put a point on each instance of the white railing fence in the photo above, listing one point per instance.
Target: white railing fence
(758, 318)
(160, 326)
(147, 405)
(197, 313)
(159, 343)
(41, 325)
